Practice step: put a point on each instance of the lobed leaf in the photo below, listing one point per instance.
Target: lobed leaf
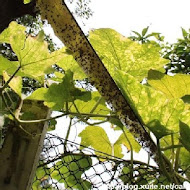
(97, 138)
(123, 141)
(160, 114)
(8, 66)
(120, 53)
(32, 52)
(58, 94)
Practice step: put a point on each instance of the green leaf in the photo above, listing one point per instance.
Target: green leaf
(52, 125)
(8, 66)
(139, 36)
(13, 30)
(27, 1)
(175, 86)
(185, 135)
(123, 141)
(69, 63)
(160, 114)
(97, 138)
(43, 174)
(120, 53)
(184, 32)
(184, 158)
(15, 83)
(32, 52)
(38, 94)
(58, 94)
(145, 30)
(88, 106)
(186, 99)
(71, 168)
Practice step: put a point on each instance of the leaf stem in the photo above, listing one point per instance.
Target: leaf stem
(162, 167)
(42, 120)
(64, 114)
(67, 135)
(131, 147)
(177, 159)
(96, 105)
(171, 147)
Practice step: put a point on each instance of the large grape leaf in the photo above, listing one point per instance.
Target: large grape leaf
(97, 138)
(160, 114)
(120, 53)
(58, 94)
(175, 86)
(33, 55)
(71, 169)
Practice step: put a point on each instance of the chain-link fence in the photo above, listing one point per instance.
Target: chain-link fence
(68, 165)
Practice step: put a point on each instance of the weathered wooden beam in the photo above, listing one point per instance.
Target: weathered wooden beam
(20, 153)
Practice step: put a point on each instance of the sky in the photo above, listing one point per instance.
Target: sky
(125, 16)
(164, 16)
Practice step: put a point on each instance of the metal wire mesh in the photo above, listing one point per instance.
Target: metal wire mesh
(68, 165)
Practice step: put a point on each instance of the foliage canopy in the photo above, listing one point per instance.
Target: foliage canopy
(161, 101)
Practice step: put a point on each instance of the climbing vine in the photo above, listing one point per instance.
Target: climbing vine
(123, 102)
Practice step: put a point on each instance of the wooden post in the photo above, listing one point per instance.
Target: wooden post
(22, 147)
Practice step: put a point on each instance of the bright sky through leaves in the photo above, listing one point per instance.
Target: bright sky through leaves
(164, 16)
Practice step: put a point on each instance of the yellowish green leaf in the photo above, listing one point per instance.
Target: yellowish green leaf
(160, 114)
(27, 1)
(15, 83)
(120, 53)
(8, 66)
(69, 63)
(96, 105)
(175, 86)
(58, 94)
(97, 138)
(122, 140)
(32, 52)
(14, 29)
